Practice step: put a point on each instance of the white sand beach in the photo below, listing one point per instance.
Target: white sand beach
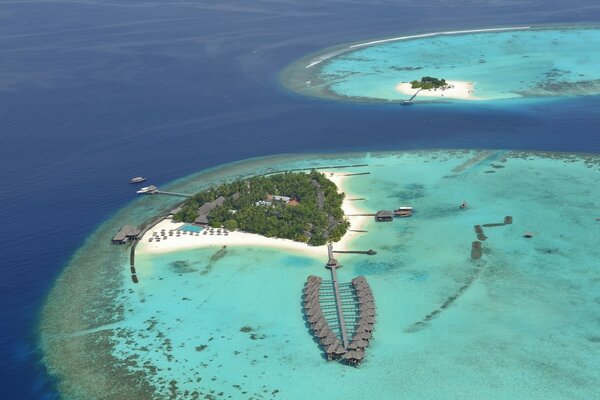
(455, 90)
(237, 238)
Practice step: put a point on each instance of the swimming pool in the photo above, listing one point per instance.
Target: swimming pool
(191, 228)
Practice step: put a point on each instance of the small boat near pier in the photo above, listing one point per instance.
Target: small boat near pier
(137, 179)
(403, 212)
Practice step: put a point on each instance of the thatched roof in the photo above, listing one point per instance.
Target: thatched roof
(315, 317)
(367, 311)
(329, 339)
(362, 336)
(331, 349)
(312, 311)
(367, 319)
(320, 324)
(364, 327)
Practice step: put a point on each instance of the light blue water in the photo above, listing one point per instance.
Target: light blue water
(191, 228)
(524, 326)
(511, 64)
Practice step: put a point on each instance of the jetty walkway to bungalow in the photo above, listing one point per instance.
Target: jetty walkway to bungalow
(341, 315)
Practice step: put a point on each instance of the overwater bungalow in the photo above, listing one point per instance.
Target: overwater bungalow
(384, 216)
(314, 311)
(323, 332)
(329, 339)
(367, 319)
(364, 327)
(315, 317)
(319, 324)
(362, 336)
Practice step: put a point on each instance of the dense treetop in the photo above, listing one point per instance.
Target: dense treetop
(314, 215)
(428, 82)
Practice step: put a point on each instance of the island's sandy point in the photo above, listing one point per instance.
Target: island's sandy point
(460, 90)
(238, 238)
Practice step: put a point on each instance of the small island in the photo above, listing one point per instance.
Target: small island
(428, 82)
(304, 207)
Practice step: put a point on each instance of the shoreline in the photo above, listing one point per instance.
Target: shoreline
(245, 239)
(460, 90)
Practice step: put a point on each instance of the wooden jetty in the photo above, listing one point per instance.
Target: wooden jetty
(333, 265)
(369, 252)
(358, 173)
(173, 193)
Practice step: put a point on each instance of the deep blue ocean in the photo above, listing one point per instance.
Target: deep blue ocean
(95, 92)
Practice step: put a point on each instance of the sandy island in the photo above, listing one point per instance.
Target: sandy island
(455, 90)
(238, 238)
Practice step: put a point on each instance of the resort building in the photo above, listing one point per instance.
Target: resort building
(384, 216)
(272, 197)
(126, 234)
(206, 208)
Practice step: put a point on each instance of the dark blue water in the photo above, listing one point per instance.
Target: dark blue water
(94, 92)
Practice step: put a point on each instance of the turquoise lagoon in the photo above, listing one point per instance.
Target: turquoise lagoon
(227, 323)
(503, 64)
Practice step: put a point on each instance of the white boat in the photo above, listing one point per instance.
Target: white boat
(147, 189)
(137, 179)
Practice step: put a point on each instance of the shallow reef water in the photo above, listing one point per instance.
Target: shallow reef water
(508, 64)
(219, 323)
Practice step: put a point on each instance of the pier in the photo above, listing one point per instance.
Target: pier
(173, 193)
(333, 265)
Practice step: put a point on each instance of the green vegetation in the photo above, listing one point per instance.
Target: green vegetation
(314, 217)
(428, 82)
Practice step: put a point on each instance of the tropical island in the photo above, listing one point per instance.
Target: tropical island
(428, 82)
(304, 207)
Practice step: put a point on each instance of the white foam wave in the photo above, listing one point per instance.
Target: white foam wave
(438, 34)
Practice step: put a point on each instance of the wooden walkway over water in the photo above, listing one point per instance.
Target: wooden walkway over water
(333, 265)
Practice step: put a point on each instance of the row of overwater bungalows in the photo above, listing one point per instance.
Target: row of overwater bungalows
(354, 353)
